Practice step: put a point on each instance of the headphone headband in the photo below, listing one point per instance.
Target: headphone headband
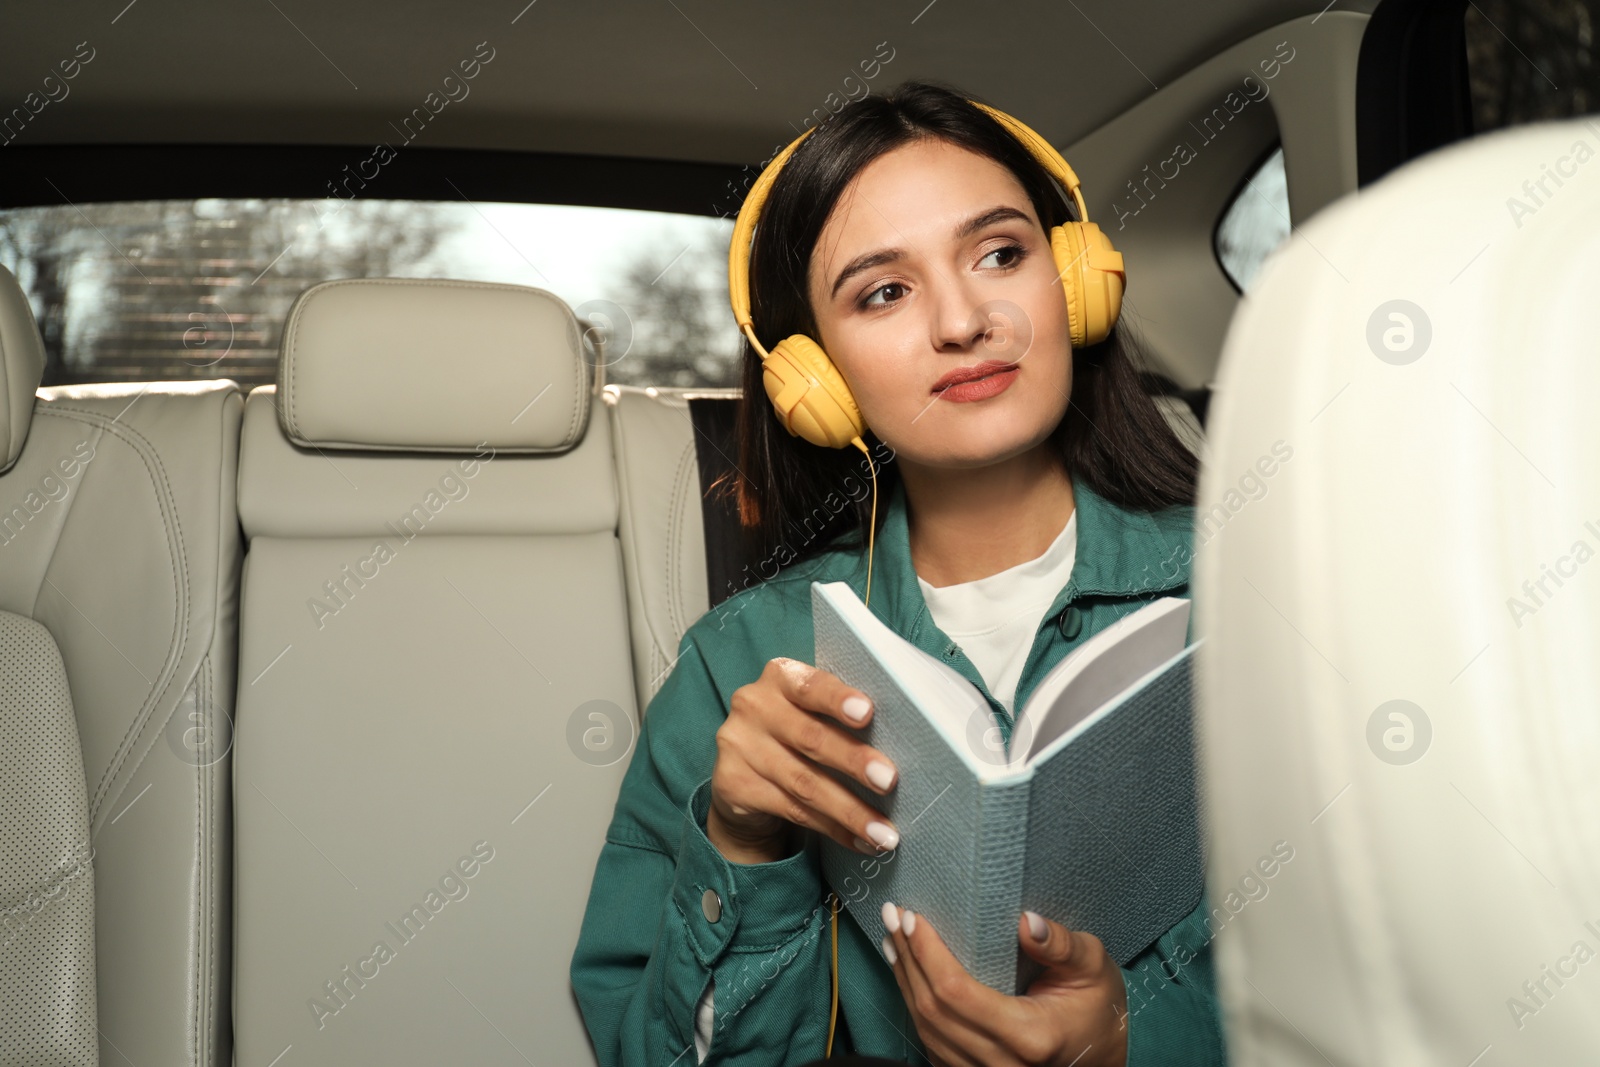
(743, 231)
(750, 213)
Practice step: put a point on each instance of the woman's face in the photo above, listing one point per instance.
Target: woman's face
(932, 260)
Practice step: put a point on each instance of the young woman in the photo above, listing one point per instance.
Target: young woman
(1031, 493)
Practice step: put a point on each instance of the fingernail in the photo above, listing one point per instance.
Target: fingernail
(891, 917)
(856, 708)
(1036, 926)
(880, 774)
(883, 834)
(867, 846)
(908, 922)
(889, 952)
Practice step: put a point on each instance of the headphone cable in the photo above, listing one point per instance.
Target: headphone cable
(833, 1012)
(872, 527)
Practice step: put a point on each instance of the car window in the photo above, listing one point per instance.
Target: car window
(1255, 222)
(1532, 60)
(173, 289)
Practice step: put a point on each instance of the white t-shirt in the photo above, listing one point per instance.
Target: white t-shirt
(994, 619)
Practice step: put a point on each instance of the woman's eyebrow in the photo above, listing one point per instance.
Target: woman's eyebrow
(867, 260)
(1003, 213)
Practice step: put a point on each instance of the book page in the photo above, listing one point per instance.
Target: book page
(945, 697)
(1099, 670)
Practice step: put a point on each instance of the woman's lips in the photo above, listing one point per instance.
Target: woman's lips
(998, 379)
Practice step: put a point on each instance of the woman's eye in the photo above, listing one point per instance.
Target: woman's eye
(871, 299)
(1014, 252)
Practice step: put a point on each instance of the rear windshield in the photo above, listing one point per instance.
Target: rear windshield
(174, 289)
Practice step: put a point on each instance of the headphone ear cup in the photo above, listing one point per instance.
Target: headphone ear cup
(1092, 274)
(810, 395)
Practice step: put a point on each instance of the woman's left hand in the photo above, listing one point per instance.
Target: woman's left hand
(1075, 1013)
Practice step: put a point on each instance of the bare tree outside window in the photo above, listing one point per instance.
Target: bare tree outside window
(683, 333)
(169, 290)
(172, 290)
(1531, 60)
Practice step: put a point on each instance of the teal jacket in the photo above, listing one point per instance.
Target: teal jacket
(647, 951)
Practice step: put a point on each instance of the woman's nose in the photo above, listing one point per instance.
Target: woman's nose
(961, 321)
(998, 329)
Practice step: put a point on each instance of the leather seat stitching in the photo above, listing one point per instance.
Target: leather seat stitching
(674, 572)
(174, 534)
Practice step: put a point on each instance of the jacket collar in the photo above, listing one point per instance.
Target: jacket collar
(1120, 553)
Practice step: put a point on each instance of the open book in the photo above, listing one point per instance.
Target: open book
(1089, 817)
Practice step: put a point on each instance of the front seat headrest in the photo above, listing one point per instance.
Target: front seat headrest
(21, 366)
(1398, 583)
(396, 364)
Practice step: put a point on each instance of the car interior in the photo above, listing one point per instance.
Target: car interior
(366, 369)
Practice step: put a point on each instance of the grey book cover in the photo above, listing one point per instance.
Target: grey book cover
(1099, 831)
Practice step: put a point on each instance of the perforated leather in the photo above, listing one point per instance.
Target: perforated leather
(47, 973)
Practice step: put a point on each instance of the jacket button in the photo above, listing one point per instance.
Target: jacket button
(1071, 622)
(711, 905)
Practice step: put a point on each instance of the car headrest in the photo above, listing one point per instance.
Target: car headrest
(1398, 585)
(21, 367)
(395, 364)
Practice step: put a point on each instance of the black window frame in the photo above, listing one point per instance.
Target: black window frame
(1412, 89)
(41, 175)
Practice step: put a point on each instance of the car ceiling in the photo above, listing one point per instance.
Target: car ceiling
(696, 80)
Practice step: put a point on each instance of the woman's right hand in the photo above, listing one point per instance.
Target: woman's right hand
(782, 734)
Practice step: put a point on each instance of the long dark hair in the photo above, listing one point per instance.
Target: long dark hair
(795, 498)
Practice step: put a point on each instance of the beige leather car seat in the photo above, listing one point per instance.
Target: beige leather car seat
(1400, 595)
(662, 529)
(119, 564)
(436, 697)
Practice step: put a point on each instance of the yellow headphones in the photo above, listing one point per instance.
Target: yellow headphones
(807, 390)
(809, 393)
